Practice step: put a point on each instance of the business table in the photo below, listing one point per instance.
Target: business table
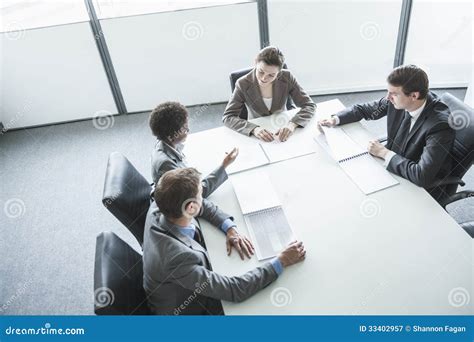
(393, 252)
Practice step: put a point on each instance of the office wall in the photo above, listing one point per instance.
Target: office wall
(336, 46)
(184, 55)
(52, 75)
(440, 41)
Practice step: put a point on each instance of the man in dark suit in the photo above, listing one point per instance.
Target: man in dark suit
(419, 137)
(177, 274)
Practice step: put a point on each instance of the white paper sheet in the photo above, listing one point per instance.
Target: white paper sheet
(342, 146)
(355, 161)
(254, 191)
(210, 149)
(299, 144)
(269, 231)
(367, 174)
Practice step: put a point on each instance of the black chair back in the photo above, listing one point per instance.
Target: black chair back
(235, 75)
(462, 153)
(126, 194)
(118, 278)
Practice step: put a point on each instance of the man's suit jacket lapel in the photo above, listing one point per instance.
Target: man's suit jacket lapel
(421, 119)
(173, 230)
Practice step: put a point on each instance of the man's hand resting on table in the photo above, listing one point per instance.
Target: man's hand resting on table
(240, 242)
(293, 254)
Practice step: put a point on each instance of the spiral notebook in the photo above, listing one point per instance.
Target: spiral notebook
(263, 214)
(356, 162)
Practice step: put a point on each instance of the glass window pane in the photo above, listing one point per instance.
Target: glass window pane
(440, 41)
(185, 55)
(53, 75)
(19, 15)
(122, 8)
(338, 45)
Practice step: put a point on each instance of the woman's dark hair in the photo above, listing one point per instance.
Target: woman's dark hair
(175, 189)
(411, 78)
(272, 56)
(167, 120)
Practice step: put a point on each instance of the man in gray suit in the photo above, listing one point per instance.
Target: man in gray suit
(419, 137)
(178, 278)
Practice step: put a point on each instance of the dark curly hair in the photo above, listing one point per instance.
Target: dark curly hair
(167, 120)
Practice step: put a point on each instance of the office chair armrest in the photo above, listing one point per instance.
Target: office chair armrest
(457, 196)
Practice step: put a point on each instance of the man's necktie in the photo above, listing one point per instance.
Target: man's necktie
(402, 134)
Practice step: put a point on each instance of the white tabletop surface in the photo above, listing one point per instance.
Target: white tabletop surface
(392, 252)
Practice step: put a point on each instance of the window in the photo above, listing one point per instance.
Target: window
(19, 15)
(121, 8)
(440, 41)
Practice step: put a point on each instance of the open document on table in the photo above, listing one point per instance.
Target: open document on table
(263, 214)
(355, 161)
(209, 147)
(300, 143)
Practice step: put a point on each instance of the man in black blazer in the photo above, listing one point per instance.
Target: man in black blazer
(419, 137)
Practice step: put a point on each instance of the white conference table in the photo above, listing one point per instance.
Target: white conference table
(393, 252)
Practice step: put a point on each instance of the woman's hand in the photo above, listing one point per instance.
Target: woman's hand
(285, 132)
(263, 134)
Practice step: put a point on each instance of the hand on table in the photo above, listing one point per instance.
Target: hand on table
(376, 149)
(293, 254)
(284, 133)
(240, 242)
(263, 134)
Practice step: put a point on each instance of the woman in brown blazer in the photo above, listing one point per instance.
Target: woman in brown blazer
(264, 91)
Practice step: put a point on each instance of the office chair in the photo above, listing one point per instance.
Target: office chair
(118, 278)
(460, 206)
(126, 194)
(235, 75)
(462, 153)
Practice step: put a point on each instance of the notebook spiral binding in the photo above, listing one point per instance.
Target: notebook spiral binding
(353, 157)
(264, 211)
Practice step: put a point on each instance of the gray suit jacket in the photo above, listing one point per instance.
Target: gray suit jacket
(247, 92)
(165, 158)
(425, 157)
(177, 274)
